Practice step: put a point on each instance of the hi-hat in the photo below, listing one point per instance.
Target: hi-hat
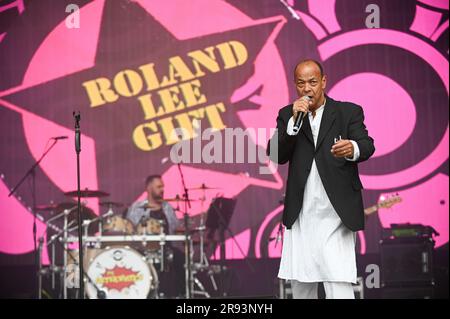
(87, 193)
(111, 204)
(193, 230)
(86, 212)
(178, 199)
(202, 187)
(47, 208)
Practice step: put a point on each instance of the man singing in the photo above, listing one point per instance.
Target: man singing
(323, 206)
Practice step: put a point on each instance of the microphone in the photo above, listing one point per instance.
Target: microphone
(59, 137)
(300, 117)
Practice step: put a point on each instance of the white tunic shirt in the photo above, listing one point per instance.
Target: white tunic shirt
(318, 247)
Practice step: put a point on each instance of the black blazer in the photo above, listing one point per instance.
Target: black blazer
(339, 176)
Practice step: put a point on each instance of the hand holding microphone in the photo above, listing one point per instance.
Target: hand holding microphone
(301, 106)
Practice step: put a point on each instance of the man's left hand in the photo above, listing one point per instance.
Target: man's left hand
(343, 148)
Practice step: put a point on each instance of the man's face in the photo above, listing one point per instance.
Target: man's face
(156, 189)
(308, 81)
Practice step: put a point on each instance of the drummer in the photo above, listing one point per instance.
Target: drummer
(171, 281)
(154, 206)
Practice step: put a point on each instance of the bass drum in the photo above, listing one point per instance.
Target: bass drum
(121, 273)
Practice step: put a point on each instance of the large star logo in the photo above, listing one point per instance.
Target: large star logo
(117, 51)
(119, 166)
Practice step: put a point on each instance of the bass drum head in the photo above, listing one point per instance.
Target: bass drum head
(121, 273)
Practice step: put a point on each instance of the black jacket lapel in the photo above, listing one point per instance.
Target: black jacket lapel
(306, 129)
(328, 118)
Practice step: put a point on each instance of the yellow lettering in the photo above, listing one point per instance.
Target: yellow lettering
(128, 83)
(206, 60)
(144, 141)
(149, 109)
(100, 92)
(213, 115)
(233, 53)
(191, 93)
(150, 78)
(170, 100)
(177, 69)
(168, 130)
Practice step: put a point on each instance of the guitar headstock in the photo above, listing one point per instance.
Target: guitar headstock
(389, 201)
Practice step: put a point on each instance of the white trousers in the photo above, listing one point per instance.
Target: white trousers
(333, 290)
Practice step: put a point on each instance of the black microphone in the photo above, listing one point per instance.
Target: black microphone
(59, 137)
(300, 117)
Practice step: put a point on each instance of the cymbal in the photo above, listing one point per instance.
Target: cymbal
(111, 204)
(193, 230)
(178, 199)
(202, 187)
(86, 212)
(47, 208)
(87, 193)
(56, 207)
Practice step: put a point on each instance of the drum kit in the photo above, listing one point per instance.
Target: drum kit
(121, 260)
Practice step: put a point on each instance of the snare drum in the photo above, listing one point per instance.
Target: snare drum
(117, 225)
(122, 273)
(150, 227)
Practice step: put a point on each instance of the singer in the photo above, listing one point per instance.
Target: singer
(323, 140)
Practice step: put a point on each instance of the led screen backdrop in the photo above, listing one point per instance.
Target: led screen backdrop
(138, 69)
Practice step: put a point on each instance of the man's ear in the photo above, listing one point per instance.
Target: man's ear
(324, 81)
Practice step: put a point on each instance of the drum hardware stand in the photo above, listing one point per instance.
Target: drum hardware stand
(187, 245)
(143, 223)
(162, 243)
(100, 293)
(203, 260)
(210, 272)
(87, 223)
(198, 268)
(108, 214)
(65, 247)
(202, 289)
(53, 268)
(202, 264)
(76, 116)
(32, 172)
(221, 229)
(65, 234)
(41, 242)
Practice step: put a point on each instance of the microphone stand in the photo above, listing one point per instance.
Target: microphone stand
(187, 204)
(32, 172)
(76, 115)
